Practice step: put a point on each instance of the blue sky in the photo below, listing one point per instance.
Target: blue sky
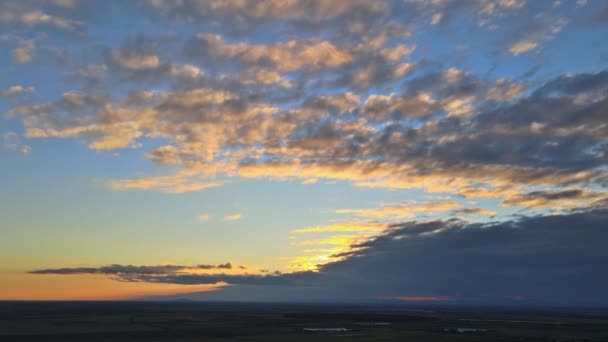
(290, 136)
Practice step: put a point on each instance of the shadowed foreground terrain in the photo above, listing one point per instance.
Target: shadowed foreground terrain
(176, 321)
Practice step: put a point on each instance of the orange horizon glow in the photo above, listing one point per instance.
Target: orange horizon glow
(88, 287)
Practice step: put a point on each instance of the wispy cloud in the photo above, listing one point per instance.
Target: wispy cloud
(233, 217)
(23, 52)
(16, 90)
(134, 60)
(169, 184)
(402, 210)
(346, 227)
(204, 217)
(12, 141)
(12, 12)
(533, 35)
(117, 269)
(475, 211)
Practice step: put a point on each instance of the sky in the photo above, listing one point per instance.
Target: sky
(407, 151)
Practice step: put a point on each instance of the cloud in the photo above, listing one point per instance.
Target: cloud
(233, 217)
(312, 11)
(525, 255)
(288, 56)
(475, 211)
(92, 71)
(16, 90)
(552, 136)
(204, 217)
(402, 210)
(602, 16)
(124, 270)
(23, 52)
(15, 12)
(66, 3)
(135, 61)
(489, 6)
(337, 240)
(555, 259)
(226, 266)
(290, 279)
(344, 227)
(185, 71)
(557, 200)
(504, 90)
(33, 18)
(168, 184)
(12, 141)
(326, 248)
(343, 92)
(532, 35)
(382, 107)
(522, 46)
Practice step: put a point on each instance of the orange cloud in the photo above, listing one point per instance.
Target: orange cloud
(204, 217)
(135, 61)
(288, 56)
(344, 227)
(233, 217)
(175, 184)
(402, 210)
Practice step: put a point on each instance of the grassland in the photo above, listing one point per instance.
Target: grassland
(145, 321)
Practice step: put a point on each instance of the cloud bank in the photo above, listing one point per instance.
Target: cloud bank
(546, 259)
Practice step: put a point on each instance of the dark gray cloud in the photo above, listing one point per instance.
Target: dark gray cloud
(307, 278)
(556, 131)
(602, 16)
(474, 211)
(553, 258)
(554, 199)
(125, 270)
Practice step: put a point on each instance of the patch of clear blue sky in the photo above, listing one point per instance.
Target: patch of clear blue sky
(55, 197)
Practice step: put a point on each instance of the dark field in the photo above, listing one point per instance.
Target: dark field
(169, 321)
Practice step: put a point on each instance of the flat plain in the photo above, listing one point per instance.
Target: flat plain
(193, 321)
